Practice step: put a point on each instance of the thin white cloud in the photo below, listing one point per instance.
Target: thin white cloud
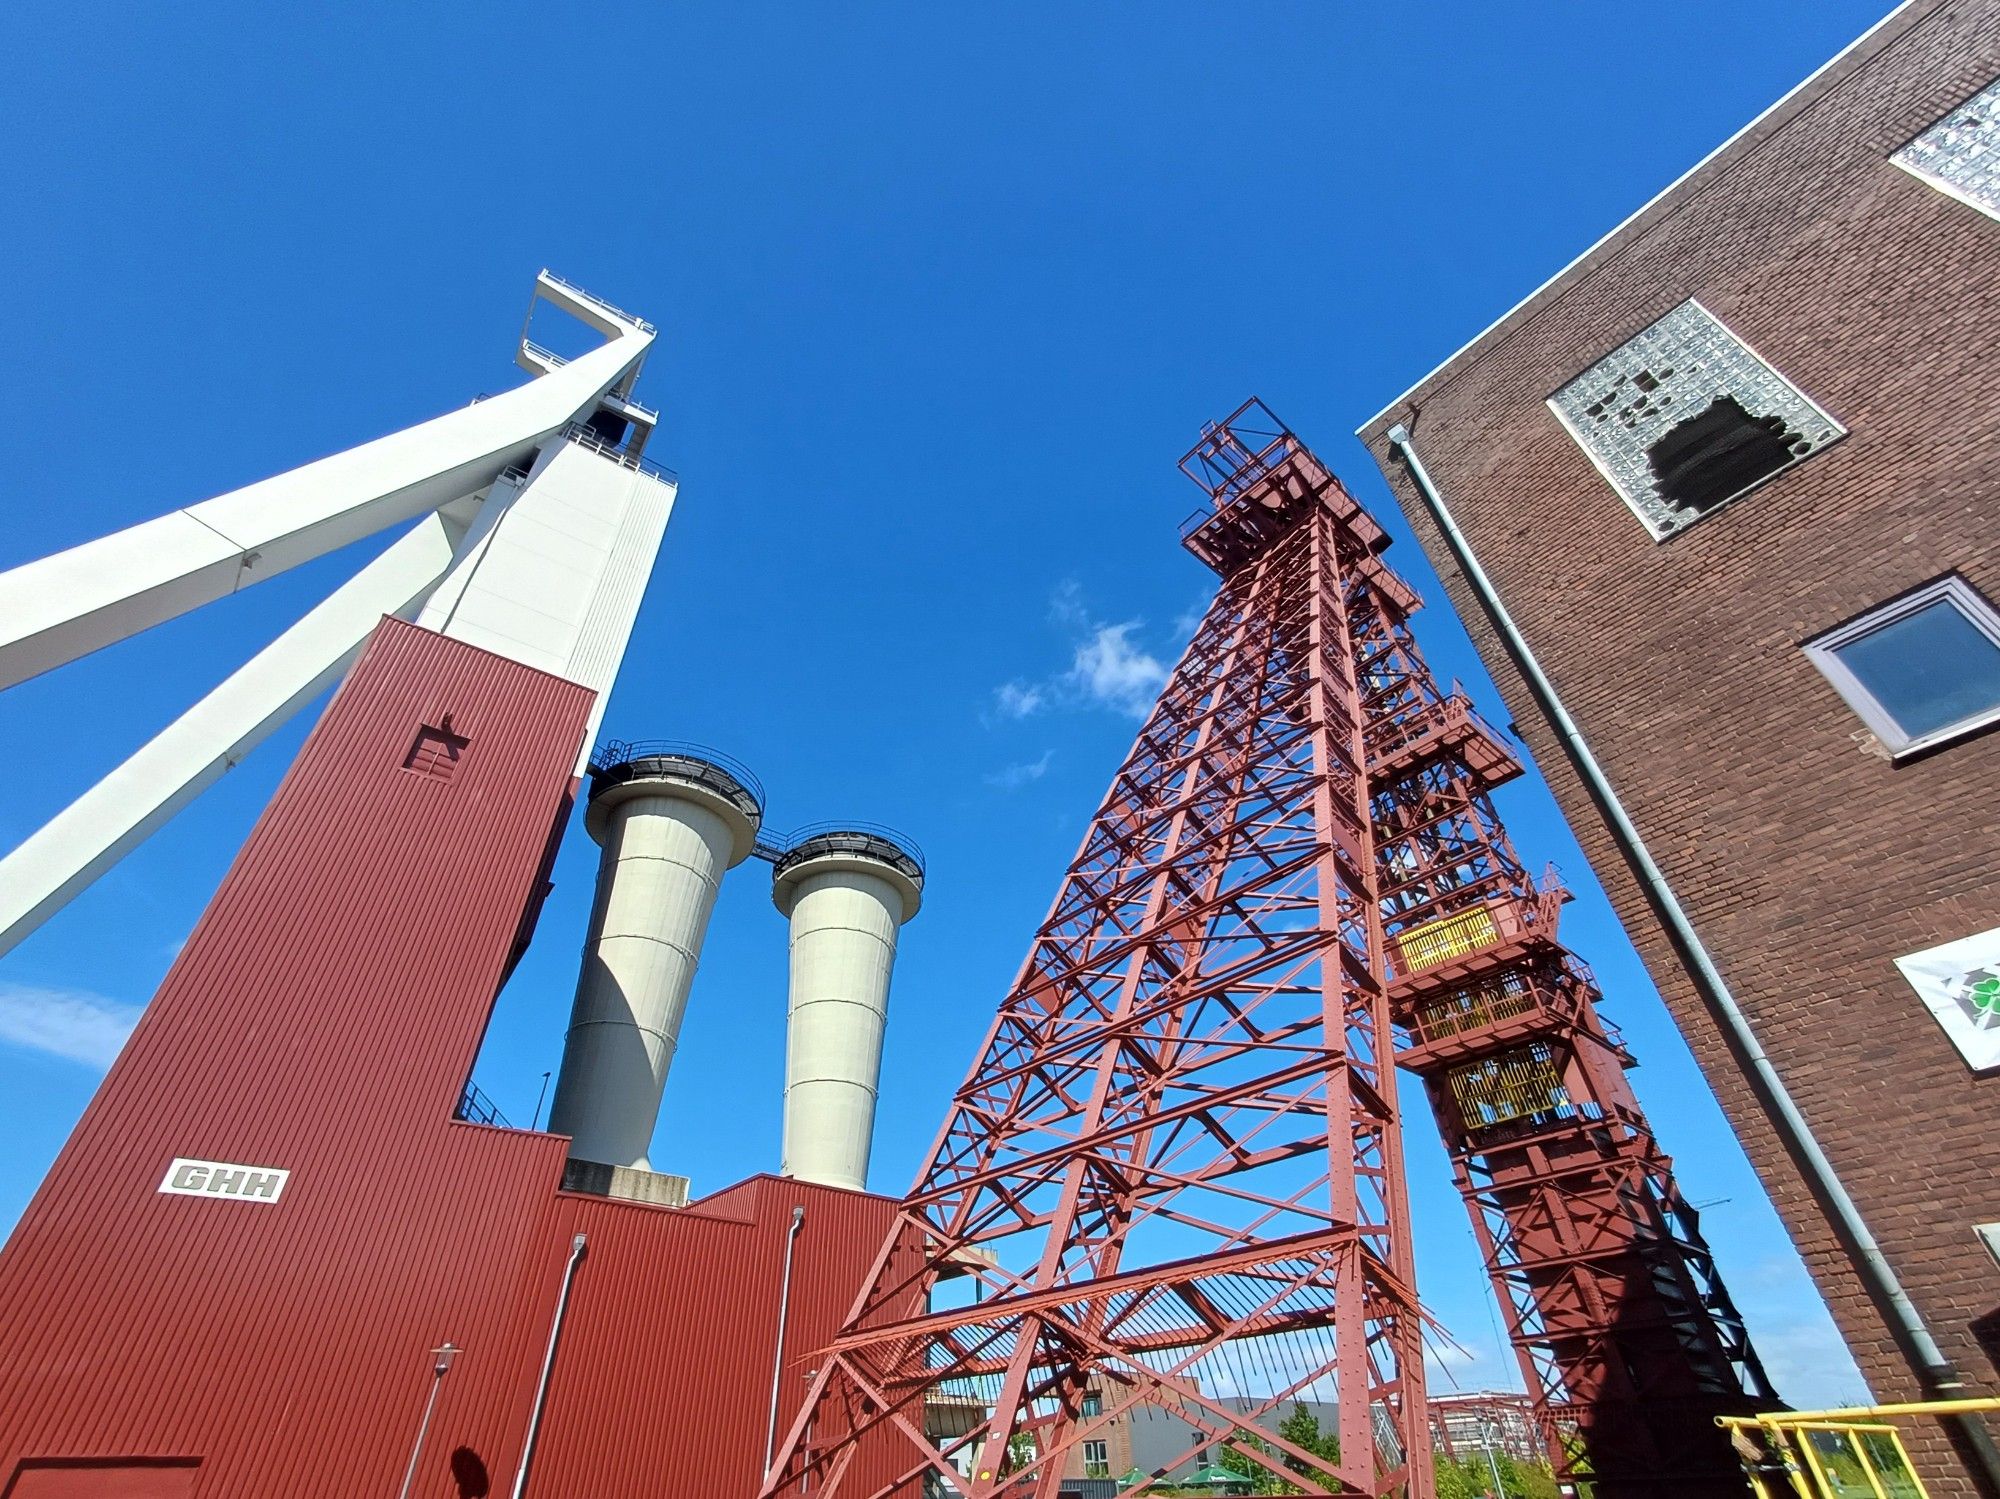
(1110, 669)
(1018, 699)
(1013, 777)
(68, 1023)
(1808, 1362)
(1066, 606)
(1458, 1365)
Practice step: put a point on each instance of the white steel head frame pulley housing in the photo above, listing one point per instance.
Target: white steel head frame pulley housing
(847, 892)
(533, 525)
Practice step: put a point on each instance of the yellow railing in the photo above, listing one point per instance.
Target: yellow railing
(1468, 1009)
(1854, 1453)
(1510, 1086)
(1448, 937)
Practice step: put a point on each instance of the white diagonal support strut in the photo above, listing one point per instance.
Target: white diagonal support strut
(58, 608)
(192, 753)
(553, 526)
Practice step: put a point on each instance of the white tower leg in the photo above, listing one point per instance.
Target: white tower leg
(558, 589)
(670, 826)
(848, 895)
(191, 754)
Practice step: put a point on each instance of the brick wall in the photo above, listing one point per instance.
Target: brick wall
(1116, 1435)
(1807, 860)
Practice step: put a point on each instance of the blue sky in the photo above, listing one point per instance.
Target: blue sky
(944, 292)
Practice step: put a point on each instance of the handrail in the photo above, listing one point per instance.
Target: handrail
(1424, 718)
(583, 437)
(611, 307)
(698, 762)
(872, 838)
(646, 412)
(1866, 1412)
(474, 1107)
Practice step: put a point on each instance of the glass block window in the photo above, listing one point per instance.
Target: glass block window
(1920, 669)
(1960, 154)
(1686, 417)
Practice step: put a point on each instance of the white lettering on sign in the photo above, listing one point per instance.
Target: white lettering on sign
(189, 1178)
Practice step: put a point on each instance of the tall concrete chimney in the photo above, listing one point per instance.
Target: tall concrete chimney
(670, 820)
(848, 892)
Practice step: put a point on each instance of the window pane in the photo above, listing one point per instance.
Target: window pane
(1930, 669)
(1961, 152)
(1686, 416)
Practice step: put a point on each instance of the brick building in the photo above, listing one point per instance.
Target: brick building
(1734, 476)
(1109, 1455)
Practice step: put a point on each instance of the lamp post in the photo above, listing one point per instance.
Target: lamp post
(441, 1358)
(1492, 1463)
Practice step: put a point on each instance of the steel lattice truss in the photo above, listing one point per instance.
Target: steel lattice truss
(1175, 1170)
(1173, 1180)
(1624, 1330)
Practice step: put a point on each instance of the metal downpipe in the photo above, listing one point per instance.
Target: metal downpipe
(576, 1249)
(778, 1357)
(1937, 1372)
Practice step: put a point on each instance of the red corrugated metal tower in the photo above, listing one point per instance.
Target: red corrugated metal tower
(1624, 1330)
(1175, 1168)
(321, 1021)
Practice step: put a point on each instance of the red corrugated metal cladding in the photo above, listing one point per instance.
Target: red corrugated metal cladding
(321, 1021)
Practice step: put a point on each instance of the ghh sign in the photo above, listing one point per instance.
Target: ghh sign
(191, 1178)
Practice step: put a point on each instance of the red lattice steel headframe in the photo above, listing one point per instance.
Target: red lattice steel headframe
(1173, 1177)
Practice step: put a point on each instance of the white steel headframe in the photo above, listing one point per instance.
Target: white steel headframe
(534, 538)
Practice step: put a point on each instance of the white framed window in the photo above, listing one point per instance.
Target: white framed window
(1096, 1460)
(1960, 154)
(1919, 670)
(1687, 417)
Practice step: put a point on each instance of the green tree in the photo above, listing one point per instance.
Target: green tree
(1262, 1480)
(1453, 1481)
(1300, 1428)
(1020, 1452)
(1472, 1477)
(1527, 1480)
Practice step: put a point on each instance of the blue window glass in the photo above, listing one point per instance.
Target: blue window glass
(1929, 669)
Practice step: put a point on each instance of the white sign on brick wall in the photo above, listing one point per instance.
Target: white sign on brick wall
(1959, 983)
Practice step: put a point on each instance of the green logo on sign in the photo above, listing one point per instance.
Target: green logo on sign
(1984, 996)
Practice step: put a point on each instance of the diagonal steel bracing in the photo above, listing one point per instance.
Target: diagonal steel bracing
(1174, 1174)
